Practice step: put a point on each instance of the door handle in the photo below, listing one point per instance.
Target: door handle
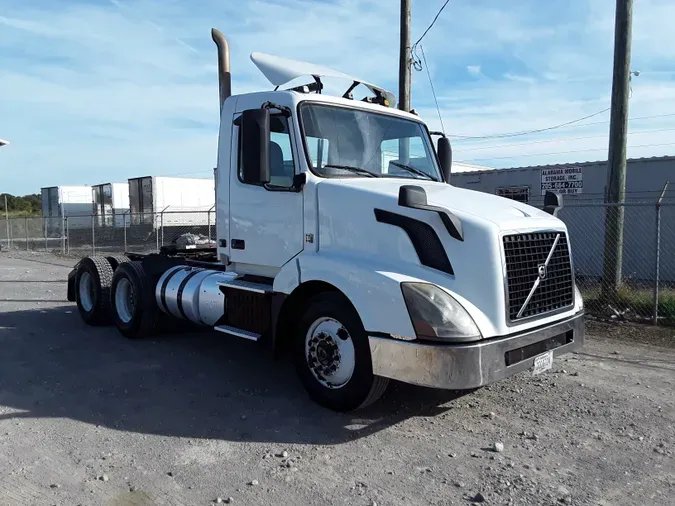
(237, 244)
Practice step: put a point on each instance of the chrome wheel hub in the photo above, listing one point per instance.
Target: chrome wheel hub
(124, 300)
(329, 351)
(86, 291)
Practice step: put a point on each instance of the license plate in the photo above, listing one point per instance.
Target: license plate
(543, 362)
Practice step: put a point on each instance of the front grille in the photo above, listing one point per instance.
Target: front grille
(525, 254)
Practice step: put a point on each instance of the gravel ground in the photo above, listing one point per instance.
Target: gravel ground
(87, 417)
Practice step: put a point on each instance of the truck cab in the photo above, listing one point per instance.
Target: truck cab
(341, 240)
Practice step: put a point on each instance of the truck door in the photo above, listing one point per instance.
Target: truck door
(266, 225)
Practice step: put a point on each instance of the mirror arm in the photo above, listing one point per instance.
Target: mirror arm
(286, 111)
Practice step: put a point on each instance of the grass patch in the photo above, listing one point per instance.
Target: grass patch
(640, 302)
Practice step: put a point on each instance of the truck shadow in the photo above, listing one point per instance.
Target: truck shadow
(196, 385)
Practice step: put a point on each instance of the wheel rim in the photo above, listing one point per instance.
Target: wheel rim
(330, 354)
(86, 291)
(124, 300)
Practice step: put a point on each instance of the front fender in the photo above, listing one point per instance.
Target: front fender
(374, 288)
(373, 291)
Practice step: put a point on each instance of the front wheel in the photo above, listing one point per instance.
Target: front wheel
(332, 355)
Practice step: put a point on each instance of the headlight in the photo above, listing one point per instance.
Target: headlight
(578, 297)
(436, 315)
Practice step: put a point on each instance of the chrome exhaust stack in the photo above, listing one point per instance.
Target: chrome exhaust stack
(224, 76)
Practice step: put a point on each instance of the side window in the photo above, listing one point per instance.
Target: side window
(282, 167)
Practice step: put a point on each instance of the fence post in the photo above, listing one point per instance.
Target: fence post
(45, 230)
(124, 223)
(26, 227)
(63, 235)
(161, 221)
(209, 221)
(93, 235)
(67, 236)
(657, 254)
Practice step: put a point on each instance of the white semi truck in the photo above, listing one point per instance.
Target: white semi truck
(364, 267)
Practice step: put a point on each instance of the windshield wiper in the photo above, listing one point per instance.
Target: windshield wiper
(413, 170)
(351, 168)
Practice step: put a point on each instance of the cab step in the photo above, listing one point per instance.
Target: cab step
(246, 334)
(246, 285)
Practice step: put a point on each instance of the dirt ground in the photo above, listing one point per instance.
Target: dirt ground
(90, 418)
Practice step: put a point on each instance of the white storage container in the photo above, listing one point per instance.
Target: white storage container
(172, 201)
(111, 203)
(71, 202)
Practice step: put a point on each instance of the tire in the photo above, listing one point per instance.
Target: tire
(116, 260)
(330, 314)
(132, 295)
(92, 290)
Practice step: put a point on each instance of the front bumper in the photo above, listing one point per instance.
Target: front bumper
(472, 365)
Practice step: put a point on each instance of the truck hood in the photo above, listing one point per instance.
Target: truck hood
(505, 213)
(349, 230)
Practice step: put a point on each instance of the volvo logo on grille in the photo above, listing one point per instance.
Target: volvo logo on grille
(541, 270)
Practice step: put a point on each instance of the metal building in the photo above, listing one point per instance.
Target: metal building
(583, 185)
(645, 178)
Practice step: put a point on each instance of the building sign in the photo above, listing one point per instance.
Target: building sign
(566, 180)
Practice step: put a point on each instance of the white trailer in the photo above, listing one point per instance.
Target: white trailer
(363, 267)
(71, 203)
(172, 201)
(111, 204)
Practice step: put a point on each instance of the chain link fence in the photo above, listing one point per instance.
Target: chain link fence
(78, 236)
(647, 288)
(646, 293)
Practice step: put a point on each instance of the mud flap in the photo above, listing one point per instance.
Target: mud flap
(71, 283)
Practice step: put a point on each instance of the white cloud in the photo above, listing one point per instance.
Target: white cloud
(474, 70)
(106, 91)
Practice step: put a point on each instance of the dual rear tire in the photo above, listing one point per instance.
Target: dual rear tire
(115, 290)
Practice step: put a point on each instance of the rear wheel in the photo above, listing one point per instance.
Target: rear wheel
(134, 306)
(92, 290)
(116, 260)
(332, 355)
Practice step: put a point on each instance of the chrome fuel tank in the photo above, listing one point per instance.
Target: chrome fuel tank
(192, 293)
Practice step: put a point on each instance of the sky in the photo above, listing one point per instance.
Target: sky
(94, 91)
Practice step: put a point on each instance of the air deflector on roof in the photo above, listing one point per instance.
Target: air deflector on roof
(280, 71)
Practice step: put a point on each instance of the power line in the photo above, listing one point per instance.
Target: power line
(564, 139)
(561, 152)
(527, 132)
(416, 63)
(432, 24)
(468, 138)
(440, 118)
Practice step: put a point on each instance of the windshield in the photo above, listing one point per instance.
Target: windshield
(344, 142)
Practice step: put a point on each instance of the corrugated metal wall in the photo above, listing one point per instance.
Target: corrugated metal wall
(584, 213)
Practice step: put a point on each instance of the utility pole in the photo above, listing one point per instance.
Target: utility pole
(404, 59)
(404, 64)
(616, 173)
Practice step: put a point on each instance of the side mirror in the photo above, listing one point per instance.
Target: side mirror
(255, 146)
(553, 202)
(445, 157)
